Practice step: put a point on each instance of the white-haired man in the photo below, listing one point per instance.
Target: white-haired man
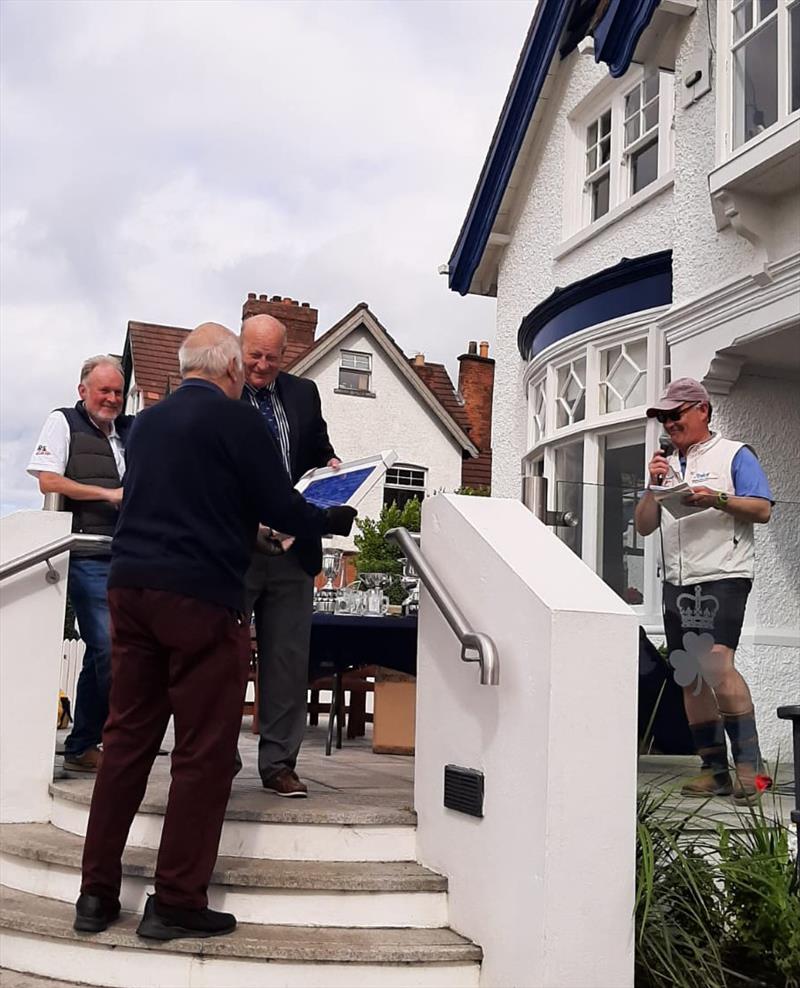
(200, 479)
(81, 455)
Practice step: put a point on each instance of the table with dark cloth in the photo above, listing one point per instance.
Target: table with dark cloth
(342, 642)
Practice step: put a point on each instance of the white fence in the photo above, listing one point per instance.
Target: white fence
(72, 652)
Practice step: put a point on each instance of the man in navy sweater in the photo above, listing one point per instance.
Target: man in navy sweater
(202, 473)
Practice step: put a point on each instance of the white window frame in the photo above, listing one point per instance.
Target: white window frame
(342, 388)
(410, 488)
(596, 426)
(725, 104)
(610, 95)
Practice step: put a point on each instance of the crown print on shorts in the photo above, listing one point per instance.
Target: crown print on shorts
(698, 610)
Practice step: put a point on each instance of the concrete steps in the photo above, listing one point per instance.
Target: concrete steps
(37, 937)
(42, 860)
(363, 829)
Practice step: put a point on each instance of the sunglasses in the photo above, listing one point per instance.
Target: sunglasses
(676, 413)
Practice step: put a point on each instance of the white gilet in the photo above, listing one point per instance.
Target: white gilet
(709, 545)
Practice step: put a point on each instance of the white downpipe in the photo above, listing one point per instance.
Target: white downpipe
(31, 633)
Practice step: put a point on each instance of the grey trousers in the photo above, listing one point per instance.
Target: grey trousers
(280, 594)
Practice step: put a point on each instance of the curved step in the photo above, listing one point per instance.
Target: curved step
(37, 936)
(314, 829)
(42, 860)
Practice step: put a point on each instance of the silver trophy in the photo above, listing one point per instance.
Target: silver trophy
(325, 597)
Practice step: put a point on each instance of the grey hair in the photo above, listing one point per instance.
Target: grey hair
(211, 359)
(101, 360)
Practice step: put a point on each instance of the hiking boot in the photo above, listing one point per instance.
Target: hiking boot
(750, 784)
(161, 922)
(93, 914)
(714, 778)
(286, 783)
(708, 783)
(89, 761)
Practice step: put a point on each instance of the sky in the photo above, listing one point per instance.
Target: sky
(160, 160)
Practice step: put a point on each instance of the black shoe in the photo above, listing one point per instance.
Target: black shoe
(93, 914)
(162, 922)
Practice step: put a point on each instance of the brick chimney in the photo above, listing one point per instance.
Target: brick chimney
(476, 386)
(299, 319)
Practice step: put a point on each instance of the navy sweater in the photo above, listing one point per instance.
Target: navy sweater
(202, 471)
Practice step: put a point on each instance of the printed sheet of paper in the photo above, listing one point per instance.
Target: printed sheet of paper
(671, 500)
(350, 484)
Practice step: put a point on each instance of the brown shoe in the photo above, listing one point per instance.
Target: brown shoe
(750, 785)
(708, 783)
(286, 783)
(89, 761)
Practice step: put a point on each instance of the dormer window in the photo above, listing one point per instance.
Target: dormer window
(355, 371)
(623, 131)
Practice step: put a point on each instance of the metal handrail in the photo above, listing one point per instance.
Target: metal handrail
(471, 641)
(76, 540)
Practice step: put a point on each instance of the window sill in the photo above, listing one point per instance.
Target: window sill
(354, 394)
(768, 167)
(617, 213)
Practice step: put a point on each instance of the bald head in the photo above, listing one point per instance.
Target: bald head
(263, 349)
(212, 353)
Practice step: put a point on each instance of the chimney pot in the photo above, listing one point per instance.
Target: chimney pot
(484, 348)
(262, 298)
(473, 347)
(419, 360)
(276, 298)
(251, 295)
(305, 305)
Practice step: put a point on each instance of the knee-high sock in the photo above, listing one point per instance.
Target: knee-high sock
(709, 743)
(741, 729)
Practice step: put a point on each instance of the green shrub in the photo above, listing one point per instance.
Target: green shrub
(714, 908)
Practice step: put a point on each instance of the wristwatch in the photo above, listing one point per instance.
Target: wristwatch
(722, 500)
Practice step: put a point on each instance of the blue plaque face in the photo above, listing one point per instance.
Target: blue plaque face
(327, 492)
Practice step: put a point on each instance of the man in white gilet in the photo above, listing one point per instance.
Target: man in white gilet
(708, 565)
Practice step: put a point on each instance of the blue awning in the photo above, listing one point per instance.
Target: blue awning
(632, 285)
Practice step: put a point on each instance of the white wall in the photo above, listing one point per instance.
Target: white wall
(31, 632)
(528, 273)
(765, 412)
(547, 895)
(394, 419)
(704, 259)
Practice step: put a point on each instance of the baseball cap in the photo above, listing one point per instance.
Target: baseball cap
(678, 393)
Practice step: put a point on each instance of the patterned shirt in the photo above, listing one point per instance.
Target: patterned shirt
(268, 402)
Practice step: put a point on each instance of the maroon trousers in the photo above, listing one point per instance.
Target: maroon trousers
(176, 655)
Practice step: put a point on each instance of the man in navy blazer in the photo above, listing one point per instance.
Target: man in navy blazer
(280, 585)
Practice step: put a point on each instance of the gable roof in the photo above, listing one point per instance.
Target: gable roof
(438, 397)
(153, 351)
(557, 26)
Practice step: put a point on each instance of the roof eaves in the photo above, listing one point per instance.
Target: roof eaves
(538, 52)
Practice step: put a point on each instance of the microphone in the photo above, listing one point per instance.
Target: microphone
(667, 449)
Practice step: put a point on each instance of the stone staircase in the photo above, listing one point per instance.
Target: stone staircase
(326, 891)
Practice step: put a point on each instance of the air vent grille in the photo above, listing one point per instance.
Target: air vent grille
(463, 790)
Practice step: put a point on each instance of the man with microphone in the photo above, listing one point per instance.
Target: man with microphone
(708, 565)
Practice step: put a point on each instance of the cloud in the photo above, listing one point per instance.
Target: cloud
(161, 160)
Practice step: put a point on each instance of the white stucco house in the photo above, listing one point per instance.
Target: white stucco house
(638, 218)
(373, 397)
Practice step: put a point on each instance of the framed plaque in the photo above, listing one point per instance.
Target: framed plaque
(349, 484)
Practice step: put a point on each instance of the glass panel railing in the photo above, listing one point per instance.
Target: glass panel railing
(606, 539)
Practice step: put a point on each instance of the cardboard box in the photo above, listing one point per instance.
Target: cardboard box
(394, 716)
